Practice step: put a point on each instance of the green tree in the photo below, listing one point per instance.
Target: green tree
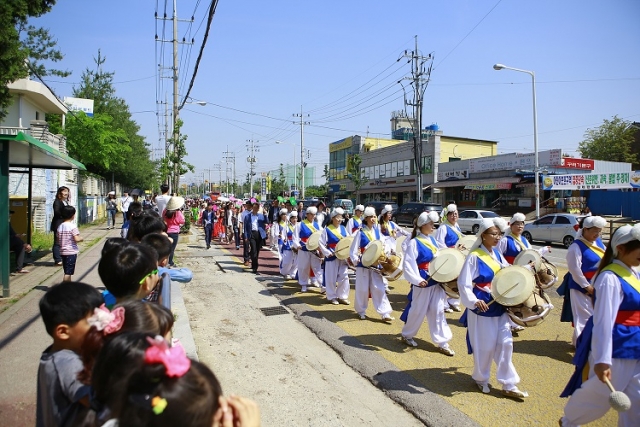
(325, 175)
(315, 191)
(178, 153)
(355, 173)
(611, 141)
(24, 49)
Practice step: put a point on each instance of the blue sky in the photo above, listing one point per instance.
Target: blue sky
(271, 58)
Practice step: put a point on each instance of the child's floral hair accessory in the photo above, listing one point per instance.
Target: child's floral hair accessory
(174, 359)
(107, 321)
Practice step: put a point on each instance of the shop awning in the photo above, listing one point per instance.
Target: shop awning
(477, 182)
(29, 152)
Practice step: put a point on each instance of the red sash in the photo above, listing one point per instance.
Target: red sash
(332, 245)
(304, 239)
(628, 318)
(423, 266)
(589, 274)
(484, 285)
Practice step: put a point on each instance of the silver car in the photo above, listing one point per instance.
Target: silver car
(469, 220)
(560, 227)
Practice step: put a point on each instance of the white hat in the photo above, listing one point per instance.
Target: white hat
(623, 235)
(594, 221)
(337, 211)
(387, 208)
(283, 211)
(359, 208)
(517, 217)
(174, 203)
(451, 208)
(293, 214)
(312, 210)
(485, 224)
(369, 211)
(111, 193)
(501, 224)
(427, 217)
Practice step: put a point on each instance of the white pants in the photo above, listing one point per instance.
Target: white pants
(336, 279)
(306, 261)
(428, 302)
(582, 309)
(273, 235)
(288, 264)
(491, 340)
(368, 281)
(454, 302)
(591, 401)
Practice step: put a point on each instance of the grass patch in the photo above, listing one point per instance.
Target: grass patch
(92, 242)
(41, 241)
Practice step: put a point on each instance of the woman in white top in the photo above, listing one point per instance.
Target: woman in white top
(427, 298)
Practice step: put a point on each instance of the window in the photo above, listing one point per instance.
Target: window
(387, 168)
(489, 214)
(544, 220)
(562, 220)
(468, 214)
(394, 169)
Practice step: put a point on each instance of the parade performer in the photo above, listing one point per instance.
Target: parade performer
(514, 242)
(426, 298)
(307, 261)
(447, 236)
(583, 258)
(614, 332)
(278, 228)
(355, 223)
(368, 281)
(335, 270)
(488, 332)
(289, 262)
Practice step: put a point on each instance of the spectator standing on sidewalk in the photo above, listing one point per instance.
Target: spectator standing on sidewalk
(174, 219)
(68, 236)
(161, 201)
(112, 208)
(62, 199)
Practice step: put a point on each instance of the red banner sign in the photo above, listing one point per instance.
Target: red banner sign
(570, 163)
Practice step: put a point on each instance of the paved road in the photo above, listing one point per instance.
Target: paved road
(542, 357)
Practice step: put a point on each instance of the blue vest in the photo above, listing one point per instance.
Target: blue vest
(485, 275)
(425, 254)
(626, 339)
(332, 240)
(364, 241)
(590, 261)
(390, 226)
(305, 232)
(286, 245)
(513, 248)
(280, 226)
(356, 225)
(451, 238)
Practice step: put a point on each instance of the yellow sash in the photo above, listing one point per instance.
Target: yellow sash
(624, 274)
(487, 259)
(310, 225)
(369, 233)
(455, 230)
(292, 228)
(333, 231)
(597, 249)
(519, 242)
(428, 244)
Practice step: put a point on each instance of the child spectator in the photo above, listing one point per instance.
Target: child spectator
(129, 271)
(148, 222)
(65, 310)
(68, 238)
(160, 386)
(131, 214)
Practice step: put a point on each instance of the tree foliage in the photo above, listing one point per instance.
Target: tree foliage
(611, 141)
(24, 49)
(315, 191)
(178, 153)
(355, 173)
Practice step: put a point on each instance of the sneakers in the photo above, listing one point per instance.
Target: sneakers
(334, 301)
(344, 301)
(388, 318)
(323, 290)
(362, 316)
(517, 328)
(484, 387)
(515, 394)
(287, 277)
(409, 341)
(237, 247)
(455, 307)
(447, 351)
(304, 289)
(448, 310)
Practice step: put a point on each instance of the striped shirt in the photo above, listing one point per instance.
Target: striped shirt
(66, 233)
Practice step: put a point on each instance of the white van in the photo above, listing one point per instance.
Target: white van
(346, 203)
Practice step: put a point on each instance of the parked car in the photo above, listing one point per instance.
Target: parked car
(408, 212)
(347, 203)
(560, 227)
(379, 205)
(469, 220)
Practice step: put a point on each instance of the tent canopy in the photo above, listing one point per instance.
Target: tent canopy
(29, 152)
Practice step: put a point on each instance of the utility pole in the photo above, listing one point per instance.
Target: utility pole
(252, 160)
(230, 157)
(209, 170)
(302, 162)
(420, 75)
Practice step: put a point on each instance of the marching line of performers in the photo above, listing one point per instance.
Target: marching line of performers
(593, 270)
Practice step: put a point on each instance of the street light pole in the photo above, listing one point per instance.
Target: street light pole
(536, 170)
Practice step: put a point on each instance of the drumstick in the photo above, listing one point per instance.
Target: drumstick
(507, 291)
(617, 399)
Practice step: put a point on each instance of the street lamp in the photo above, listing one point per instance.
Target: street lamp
(295, 168)
(536, 171)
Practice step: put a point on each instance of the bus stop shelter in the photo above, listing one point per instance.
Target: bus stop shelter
(23, 151)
